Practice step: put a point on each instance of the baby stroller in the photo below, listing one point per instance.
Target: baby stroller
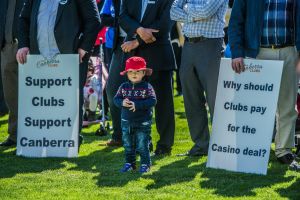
(93, 95)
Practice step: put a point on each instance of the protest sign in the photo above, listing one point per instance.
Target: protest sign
(48, 107)
(244, 116)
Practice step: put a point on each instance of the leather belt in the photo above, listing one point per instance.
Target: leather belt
(195, 39)
(279, 46)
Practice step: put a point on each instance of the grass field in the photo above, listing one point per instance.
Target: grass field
(95, 174)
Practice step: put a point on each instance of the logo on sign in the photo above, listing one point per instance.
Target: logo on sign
(50, 63)
(253, 68)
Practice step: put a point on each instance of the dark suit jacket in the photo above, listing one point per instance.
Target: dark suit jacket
(108, 20)
(77, 25)
(3, 13)
(158, 55)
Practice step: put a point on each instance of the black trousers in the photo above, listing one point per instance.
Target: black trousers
(177, 53)
(164, 109)
(3, 107)
(83, 67)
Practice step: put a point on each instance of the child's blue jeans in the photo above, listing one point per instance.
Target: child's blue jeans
(136, 138)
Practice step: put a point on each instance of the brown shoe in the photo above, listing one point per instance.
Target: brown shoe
(114, 143)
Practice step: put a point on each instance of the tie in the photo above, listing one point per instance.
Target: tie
(10, 20)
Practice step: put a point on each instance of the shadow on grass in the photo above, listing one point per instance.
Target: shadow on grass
(106, 163)
(181, 115)
(230, 184)
(291, 192)
(12, 165)
(174, 173)
(3, 122)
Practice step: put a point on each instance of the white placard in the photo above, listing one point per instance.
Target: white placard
(244, 116)
(48, 107)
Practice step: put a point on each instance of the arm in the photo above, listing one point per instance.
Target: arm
(24, 24)
(149, 102)
(163, 23)
(129, 24)
(177, 13)
(236, 29)
(118, 98)
(91, 23)
(204, 10)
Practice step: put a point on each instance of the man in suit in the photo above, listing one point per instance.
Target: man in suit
(9, 11)
(59, 27)
(204, 22)
(148, 25)
(110, 17)
(269, 30)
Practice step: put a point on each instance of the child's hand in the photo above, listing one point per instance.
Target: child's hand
(126, 103)
(132, 106)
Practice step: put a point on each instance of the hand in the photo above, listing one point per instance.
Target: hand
(129, 46)
(132, 106)
(126, 103)
(81, 53)
(147, 34)
(22, 55)
(238, 65)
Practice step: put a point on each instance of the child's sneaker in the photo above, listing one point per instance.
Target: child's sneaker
(144, 169)
(128, 167)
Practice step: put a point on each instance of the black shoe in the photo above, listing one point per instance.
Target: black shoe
(198, 154)
(8, 143)
(286, 159)
(162, 152)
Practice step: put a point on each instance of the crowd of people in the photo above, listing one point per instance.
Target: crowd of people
(147, 40)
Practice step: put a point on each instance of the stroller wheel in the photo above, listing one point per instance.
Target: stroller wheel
(101, 132)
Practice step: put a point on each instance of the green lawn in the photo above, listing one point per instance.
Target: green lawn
(95, 174)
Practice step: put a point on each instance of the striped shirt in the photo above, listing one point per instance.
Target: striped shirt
(278, 28)
(200, 17)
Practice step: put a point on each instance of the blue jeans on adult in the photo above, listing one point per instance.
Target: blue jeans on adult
(136, 138)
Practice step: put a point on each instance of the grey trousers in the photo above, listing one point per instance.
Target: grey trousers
(199, 78)
(9, 71)
(286, 114)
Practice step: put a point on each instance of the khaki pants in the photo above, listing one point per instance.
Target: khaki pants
(9, 70)
(286, 114)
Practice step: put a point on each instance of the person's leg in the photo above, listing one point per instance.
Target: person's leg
(3, 107)
(142, 134)
(177, 54)
(83, 67)
(9, 68)
(208, 69)
(194, 100)
(129, 144)
(113, 84)
(286, 113)
(164, 110)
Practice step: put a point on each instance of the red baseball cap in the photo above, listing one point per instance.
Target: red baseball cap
(136, 63)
